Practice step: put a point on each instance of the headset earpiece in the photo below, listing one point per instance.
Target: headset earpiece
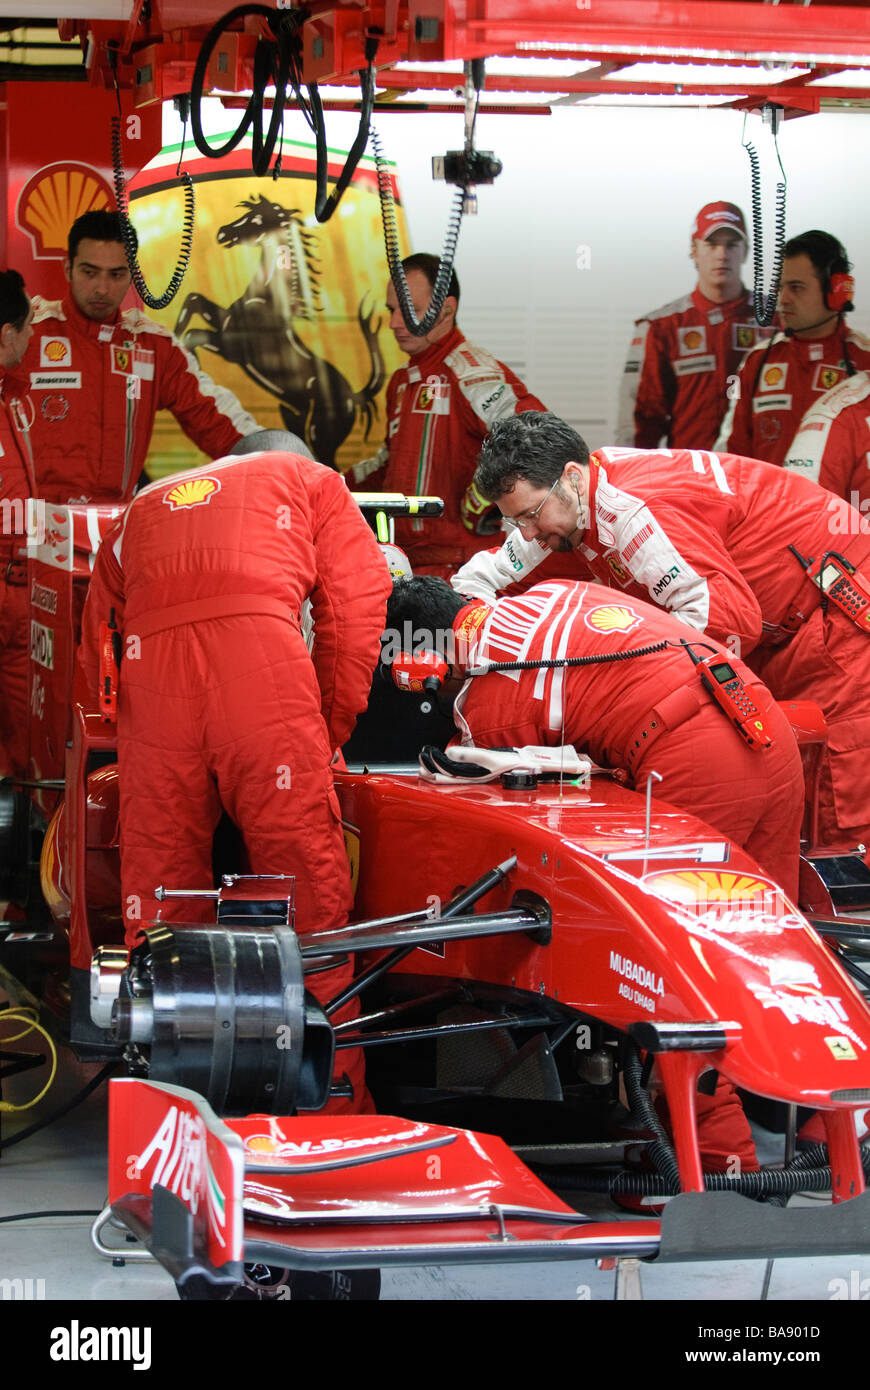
(841, 292)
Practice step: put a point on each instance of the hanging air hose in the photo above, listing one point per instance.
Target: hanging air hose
(278, 61)
(159, 301)
(324, 207)
(394, 260)
(465, 168)
(765, 304)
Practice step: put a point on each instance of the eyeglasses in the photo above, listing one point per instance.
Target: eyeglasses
(526, 519)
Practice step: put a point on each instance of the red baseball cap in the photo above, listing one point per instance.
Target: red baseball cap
(716, 215)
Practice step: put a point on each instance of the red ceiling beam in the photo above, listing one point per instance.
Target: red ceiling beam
(417, 79)
(729, 26)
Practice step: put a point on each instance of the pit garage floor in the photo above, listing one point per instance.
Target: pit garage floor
(64, 1168)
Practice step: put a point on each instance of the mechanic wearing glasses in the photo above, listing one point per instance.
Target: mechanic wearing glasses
(708, 537)
(439, 409)
(675, 383)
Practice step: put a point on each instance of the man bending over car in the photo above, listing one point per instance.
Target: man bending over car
(649, 712)
(221, 706)
(761, 559)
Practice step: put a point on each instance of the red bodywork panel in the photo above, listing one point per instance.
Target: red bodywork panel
(361, 1190)
(738, 953)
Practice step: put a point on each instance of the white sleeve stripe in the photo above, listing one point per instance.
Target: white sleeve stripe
(718, 473)
(557, 692)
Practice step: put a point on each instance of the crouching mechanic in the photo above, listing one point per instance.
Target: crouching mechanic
(649, 713)
(720, 541)
(221, 707)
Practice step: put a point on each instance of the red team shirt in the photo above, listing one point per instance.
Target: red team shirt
(440, 407)
(676, 377)
(779, 384)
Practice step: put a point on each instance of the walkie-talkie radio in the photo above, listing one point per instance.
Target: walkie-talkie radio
(720, 680)
(110, 661)
(841, 584)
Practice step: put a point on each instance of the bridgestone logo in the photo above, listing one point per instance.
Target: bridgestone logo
(43, 598)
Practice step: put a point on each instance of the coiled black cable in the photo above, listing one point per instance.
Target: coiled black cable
(767, 1182)
(765, 304)
(178, 274)
(558, 662)
(419, 327)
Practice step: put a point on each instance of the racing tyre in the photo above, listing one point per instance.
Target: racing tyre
(270, 1283)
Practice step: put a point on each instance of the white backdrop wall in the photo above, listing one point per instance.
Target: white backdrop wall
(588, 226)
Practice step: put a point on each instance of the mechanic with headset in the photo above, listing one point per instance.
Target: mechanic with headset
(675, 382)
(649, 713)
(439, 408)
(16, 484)
(98, 376)
(780, 381)
(220, 704)
(763, 560)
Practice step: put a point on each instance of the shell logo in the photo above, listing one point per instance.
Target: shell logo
(53, 198)
(192, 493)
(55, 351)
(694, 887)
(692, 339)
(262, 1144)
(773, 376)
(612, 618)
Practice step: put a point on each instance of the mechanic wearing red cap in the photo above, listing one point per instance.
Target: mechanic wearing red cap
(439, 408)
(676, 379)
(708, 537)
(16, 484)
(221, 706)
(783, 379)
(649, 713)
(98, 376)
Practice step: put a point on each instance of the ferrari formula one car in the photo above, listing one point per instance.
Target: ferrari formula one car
(544, 963)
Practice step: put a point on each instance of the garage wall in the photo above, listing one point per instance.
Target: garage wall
(589, 223)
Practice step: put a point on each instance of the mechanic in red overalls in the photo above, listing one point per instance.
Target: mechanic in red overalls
(710, 537)
(220, 704)
(16, 484)
(648, 713)
(439, 408)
